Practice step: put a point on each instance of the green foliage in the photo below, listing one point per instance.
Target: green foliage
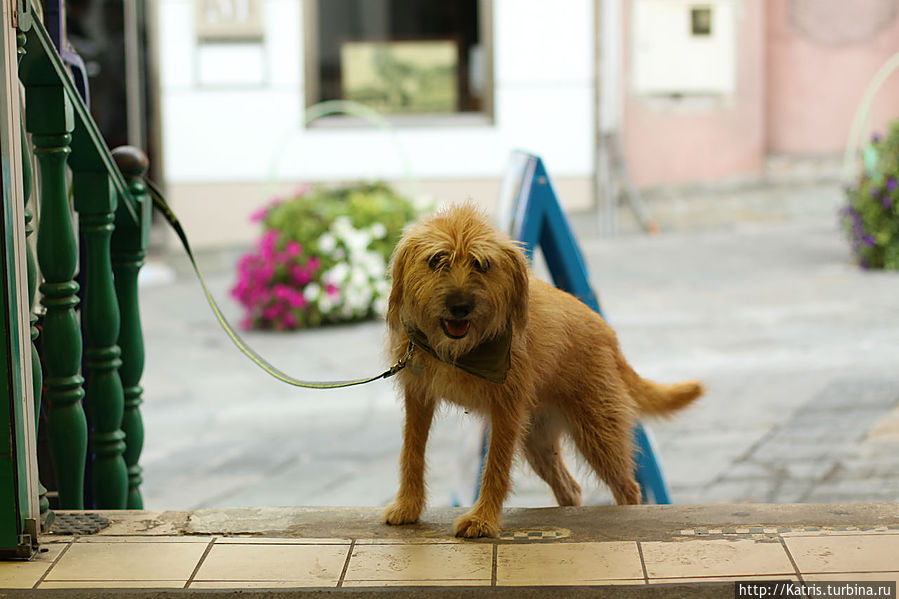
(871, 218)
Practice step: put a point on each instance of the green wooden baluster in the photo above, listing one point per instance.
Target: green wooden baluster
(129, 251)
(95, 201)
(36, 374)
(50, 120)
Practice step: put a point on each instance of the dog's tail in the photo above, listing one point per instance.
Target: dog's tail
(659, 399)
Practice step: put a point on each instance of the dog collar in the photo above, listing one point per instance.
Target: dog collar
(490, 360)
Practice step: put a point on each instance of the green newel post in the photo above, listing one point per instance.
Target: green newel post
(49, 118)
(95, 201)
(36, 374)
(129, 250)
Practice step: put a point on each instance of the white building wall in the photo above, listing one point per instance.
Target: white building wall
(253, 133)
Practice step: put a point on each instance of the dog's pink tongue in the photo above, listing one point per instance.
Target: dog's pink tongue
(457, 328)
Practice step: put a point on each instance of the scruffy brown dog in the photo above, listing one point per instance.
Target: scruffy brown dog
(536, 361)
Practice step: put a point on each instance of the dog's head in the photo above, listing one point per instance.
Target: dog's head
(458, 280)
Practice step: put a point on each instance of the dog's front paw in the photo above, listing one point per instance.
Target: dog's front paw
(472, 526)
(402, 512)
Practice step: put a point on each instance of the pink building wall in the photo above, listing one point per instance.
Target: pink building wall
(700, 139)
(801, 69)
(821, 56)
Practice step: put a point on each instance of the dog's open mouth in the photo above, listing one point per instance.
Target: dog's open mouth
(455, 329)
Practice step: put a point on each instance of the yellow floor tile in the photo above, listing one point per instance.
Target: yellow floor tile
(128, 561)
(280, 541)
(839, 533)
(421, 562)
(413, 541)
(252, 584)
(850, 553)
(861, 577)
(567, 563)
(299, 565)
(145, 539)
(24, 575)
(723, 579)
(690, 559)
(416, 583)
(112, 584)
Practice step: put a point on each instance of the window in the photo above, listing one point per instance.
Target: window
(701, 21)
(402, 58)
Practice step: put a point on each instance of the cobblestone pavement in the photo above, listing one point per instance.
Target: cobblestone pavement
(799, 350)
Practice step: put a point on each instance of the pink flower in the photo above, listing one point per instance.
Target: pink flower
(272, 312)
(332, 290)
(289, 321)
(293, 248)
(259, 214)
(296, 299)
(268, 244)
(313, 264)
(299, 275)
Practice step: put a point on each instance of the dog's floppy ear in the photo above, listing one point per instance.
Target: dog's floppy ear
(398, 261)
(518, 298)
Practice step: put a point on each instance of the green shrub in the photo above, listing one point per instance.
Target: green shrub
(871, 218)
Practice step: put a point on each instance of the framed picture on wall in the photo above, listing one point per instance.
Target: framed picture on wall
(402, 76)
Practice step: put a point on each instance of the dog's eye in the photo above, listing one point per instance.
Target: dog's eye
(437, 260)
(482, 266)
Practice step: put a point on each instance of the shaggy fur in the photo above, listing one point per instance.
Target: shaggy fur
(461, 282)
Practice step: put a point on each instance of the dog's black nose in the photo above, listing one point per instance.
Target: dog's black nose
(459, 304)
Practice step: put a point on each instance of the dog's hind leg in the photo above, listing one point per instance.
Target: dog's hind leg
(543, 450)
(410, 499)
(604, 436)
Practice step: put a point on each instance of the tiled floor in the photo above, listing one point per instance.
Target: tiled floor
(248, 562)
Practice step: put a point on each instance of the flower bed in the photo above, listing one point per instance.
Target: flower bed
(322, 257)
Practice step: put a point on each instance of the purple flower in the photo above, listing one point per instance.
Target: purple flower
(891, 184)
(875, 192)
(886, 202)
(876, 137)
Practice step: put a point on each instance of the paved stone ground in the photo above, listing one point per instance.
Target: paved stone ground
(799, 350)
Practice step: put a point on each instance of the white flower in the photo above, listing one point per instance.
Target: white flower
(325, 304)
(312, 292)
(378, 231)
(374, 264)
(342, 225)
(357, 241)
(358, 276)
(337, 274)
(327, 243)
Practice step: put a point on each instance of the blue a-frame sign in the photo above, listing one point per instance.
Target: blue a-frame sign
(530, 212)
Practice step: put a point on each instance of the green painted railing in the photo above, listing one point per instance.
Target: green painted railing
(77, 173)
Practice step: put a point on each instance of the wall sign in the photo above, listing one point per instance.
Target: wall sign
(229, 20)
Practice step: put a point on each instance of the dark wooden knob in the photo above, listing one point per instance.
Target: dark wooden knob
(131, 161)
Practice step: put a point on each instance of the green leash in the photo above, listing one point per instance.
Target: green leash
(160, 204)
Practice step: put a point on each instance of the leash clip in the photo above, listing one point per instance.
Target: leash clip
(402, 362)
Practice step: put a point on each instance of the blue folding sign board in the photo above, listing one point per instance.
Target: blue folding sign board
(530, 212)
